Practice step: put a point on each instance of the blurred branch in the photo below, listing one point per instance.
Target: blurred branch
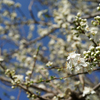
(30, 10)
(70, 75)
(39, 38)
(3, 79)
(91, 15)
(35, 58)
(96, 87)
(19, 94)
(25, 89)
(33, 17)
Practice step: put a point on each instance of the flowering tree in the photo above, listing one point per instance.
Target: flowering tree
(50, 55)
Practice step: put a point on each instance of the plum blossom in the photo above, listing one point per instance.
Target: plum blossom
(49, 63)
(42, 86)
(1, 59)
(28, 72)
(76, 63)
(88, 90)
(18, 78)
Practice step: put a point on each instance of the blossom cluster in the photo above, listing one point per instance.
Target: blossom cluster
(93, 55)
(76, 63)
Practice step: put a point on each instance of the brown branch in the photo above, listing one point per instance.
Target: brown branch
(30, 10)
(19, 94)
(39, 38)
(33, 17)
(34, 62)
(91, 15)
(25, 89)
(3, 79)
(2, 67)
(51, 83)
(70, 75)
(43, 89)
(96, 87)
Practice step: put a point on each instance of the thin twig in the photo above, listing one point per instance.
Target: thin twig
(35, 58)
(70, 75)
(33, 17)
(39, 38)
(19, 94)
(30, 10)
(96, 87)
(25, 89)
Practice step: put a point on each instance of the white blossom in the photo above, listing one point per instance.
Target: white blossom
(13, 14)
(34, 56)
(17, 5)
(8, 2)
(40, 14)
(87, 90)
(55, 98)
(12, 97)
(98, 47)
(18, 78)
(41, 86)
(1, 59)
(28, 72)
(28, 59)
(52, 42)
(1, 28)
(49, 63)
(31, 27)
(75, 62)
